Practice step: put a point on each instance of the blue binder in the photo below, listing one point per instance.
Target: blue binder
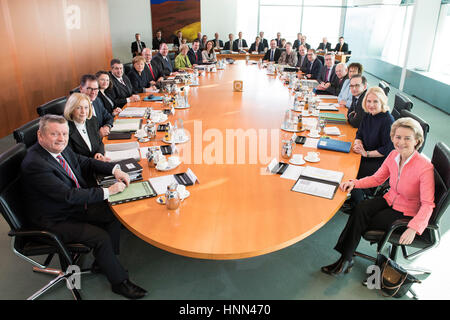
(153, 98)
(334, 145)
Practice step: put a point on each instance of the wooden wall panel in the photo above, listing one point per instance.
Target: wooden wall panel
(41, 58)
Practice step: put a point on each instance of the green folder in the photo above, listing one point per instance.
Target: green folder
(135, 191)
(334, 116)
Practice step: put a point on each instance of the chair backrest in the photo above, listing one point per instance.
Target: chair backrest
(425, 126)
(53, 107)
(76, 89)
(321, 58)
(385, 86)
(11, 203)
(127, 67)
(441, 163)
(401, 102)
(27, 134)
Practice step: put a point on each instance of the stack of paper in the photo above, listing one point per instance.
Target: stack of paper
(338, 118)
(126, 125)
(122, 151)
(332, 131)
(133, 112)
(328, 106)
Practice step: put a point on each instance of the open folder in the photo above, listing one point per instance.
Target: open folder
(318, 182)
(135, 191)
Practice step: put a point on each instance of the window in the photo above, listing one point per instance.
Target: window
(319, 22)
(439, 61)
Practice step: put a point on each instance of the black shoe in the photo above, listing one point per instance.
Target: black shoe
(129, 290)
(339, 267)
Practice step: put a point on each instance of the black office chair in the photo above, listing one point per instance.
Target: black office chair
(385, 86)
(431, 236)
(401, 102)
(127, 67)
(425, 126)
(76, 89)
(55, 106)
(27, 134)
(29, 242)
(321, 58)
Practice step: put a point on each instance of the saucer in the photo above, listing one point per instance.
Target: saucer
(169, 167)
(185, 195)
(310, 160)
(183, 140)
(313, 136)
(291, 161)
(183, 107)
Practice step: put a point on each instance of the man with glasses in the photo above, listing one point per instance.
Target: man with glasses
(89, 86)
(121, 90)
(314, 65)
(358, 87)
(327, 76)
(273, 54)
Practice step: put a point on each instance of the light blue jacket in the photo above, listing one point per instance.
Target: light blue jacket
(346, 94)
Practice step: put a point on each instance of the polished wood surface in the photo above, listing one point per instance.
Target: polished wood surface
(237, 210)
(45, 50)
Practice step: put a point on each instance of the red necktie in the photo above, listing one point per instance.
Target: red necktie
(196, 58)
(150, 67)
(67, 169)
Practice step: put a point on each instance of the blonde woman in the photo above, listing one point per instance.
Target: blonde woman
(182, 61)
(411, 196)
(84, 138)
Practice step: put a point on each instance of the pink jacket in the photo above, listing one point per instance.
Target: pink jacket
(412, 192)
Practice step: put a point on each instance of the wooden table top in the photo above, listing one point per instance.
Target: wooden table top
(237, 210)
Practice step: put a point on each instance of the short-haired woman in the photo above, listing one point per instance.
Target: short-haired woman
(139, 79)
(182, 61)
(84, 138)
(411, 195)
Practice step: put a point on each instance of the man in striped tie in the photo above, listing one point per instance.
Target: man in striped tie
(59, 200)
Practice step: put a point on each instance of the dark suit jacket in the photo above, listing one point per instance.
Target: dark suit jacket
(134, 47)
(337, 85)
(220, 43)
(139, 82)
(157, 71)
(156, 43)
(355, 118)
(233, 47)
(296, 44)
(176, 42)
(323, 73)
(77, 143)
(108, 106)
(303, 66)
(244, 44)
(102, 114)
(159, 62)
(315, 70)
(50, 193)
(120, 92)
(276, 55)
(195, 59)
(344, 47)
(265, 43)
(322, 47)
(259, 49)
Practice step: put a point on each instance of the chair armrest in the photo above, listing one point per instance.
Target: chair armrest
(394, 226)
(43, 234)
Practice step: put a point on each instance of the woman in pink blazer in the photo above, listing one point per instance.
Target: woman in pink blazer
(411, 194)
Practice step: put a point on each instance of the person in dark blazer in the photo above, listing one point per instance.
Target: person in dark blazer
(263, 40)
(356, 113)
(84, 138)
(278, 39)
(60, 201)
(217, 42)
(178, 40)
(302, 59)
(314, 65)
(153, 70)
(257, 46)
(303, 42)
(341, 46)
(273, 54)
(137, 46)
(89, 86)
(230, 44)
(157, 40)
(105, 83)
(162, 61)
(327, 76)
(195, 54)
(121, 90)
(139, 79)
(240, 43)
(297, 42)
(324, 45)
(341, 76)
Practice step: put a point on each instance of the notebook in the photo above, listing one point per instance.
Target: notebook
(135, 191)
(126, 125)
(334, 145)
(338, 118)
(318, 182)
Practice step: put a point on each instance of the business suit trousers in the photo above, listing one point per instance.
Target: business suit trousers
(372, 214)
(367, 168)
(98, 229)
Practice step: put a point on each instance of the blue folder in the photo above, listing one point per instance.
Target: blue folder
(154, 98)
(334, 145)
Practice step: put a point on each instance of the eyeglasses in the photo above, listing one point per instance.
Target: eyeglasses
(355, 85)
(91, 89)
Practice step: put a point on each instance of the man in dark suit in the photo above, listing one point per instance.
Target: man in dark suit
(137, 46)
(273, 54)
(327, 76)
(194, 54)
(157, 40)
(303, 42)
(162, 60)
(178, 40)
(324, 45)
(263, 40)
(297, 42)
(240, 43)
(341, 46)
(358, 87)
(278, 40)
(302, 59)
(341, 77)
(89, 86)
(314, 65)
(153, 71)
(121, 90)
(60, 201)
(230, 45)
(217, 42)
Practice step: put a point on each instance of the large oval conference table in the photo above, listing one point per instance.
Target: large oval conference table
(237, 210)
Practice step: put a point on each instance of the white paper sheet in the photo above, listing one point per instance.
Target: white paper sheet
(160, 183)
(311, 143)
(292, 172)
(315, 188)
